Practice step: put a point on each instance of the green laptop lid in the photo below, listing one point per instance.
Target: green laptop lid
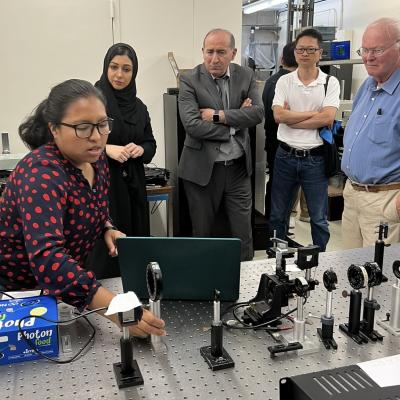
(191, 267)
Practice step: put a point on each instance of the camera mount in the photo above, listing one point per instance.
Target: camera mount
(307, 258)
(273, 291)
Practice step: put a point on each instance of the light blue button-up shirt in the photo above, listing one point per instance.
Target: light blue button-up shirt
(371, 152)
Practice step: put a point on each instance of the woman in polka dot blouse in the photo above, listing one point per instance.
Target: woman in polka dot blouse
(55, 206)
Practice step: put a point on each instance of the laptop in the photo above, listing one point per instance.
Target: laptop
(191, 267)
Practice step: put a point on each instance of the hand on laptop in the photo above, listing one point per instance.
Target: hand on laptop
(148, 325)
(110, 238)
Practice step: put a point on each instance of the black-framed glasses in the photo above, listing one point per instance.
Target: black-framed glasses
(85, 129)
(308, 50)
(363, 51)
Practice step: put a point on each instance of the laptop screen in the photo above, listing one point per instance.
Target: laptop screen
(191, 267)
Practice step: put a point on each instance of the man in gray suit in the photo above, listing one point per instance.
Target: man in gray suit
(218, 101)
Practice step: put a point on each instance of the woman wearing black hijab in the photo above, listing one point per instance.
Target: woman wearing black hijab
(130, 145)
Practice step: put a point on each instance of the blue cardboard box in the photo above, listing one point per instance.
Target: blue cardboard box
(43, 334)
(340, 50)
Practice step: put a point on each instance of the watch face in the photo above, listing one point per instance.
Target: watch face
(216, 116)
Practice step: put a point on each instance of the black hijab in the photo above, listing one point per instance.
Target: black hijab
(121, 104)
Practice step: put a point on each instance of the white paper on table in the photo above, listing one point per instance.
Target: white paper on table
(384, 371)
(20, 294)
(122, 303)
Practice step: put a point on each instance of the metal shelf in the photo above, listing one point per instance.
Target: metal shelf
(342, 62)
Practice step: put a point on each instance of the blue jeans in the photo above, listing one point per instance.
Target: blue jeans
(290, 173)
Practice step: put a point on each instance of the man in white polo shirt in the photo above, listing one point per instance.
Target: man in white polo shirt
(300, 107)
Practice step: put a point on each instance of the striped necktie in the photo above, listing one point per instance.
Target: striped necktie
(222, 88)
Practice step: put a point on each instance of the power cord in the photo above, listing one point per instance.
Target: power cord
(67, 321)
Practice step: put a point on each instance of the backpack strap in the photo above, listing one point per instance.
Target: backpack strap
(326, 83)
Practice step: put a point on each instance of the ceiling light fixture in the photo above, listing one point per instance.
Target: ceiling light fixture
(264, 5)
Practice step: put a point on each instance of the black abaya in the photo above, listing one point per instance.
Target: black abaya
(127, 195)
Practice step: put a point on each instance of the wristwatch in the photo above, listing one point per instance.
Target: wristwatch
(216, 117)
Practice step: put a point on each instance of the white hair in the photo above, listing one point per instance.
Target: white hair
(390, 25)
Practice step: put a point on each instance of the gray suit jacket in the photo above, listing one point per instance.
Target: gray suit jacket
(203, 139)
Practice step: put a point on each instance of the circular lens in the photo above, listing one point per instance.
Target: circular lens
(154, 281)
(330, 280)
(396, 269)
(358, 276)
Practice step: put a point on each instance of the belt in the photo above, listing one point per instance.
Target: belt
(375, 188)
(228, 163)
(316, 151)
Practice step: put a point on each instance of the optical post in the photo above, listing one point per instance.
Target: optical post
(328, 320)
(392, 324)
(215, 355)
(127, 371)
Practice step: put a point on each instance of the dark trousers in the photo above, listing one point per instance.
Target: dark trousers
(230, 188)
(271, 146)
(290, 173)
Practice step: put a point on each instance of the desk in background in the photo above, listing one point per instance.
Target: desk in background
(7, 164)
(9, 161)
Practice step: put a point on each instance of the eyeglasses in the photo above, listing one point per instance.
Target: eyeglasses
(363, 51)
(308, 50)
(85, 129)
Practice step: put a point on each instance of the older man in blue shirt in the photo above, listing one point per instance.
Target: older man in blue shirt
(371, 156)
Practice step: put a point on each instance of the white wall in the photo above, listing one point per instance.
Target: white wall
(156, 27)
(44, 42)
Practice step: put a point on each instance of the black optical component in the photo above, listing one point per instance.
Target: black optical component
(374, 274)
(396, 269)
(330, 280)
(357, 276)
(301, 286)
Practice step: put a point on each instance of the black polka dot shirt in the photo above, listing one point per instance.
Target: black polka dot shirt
(50, 218)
